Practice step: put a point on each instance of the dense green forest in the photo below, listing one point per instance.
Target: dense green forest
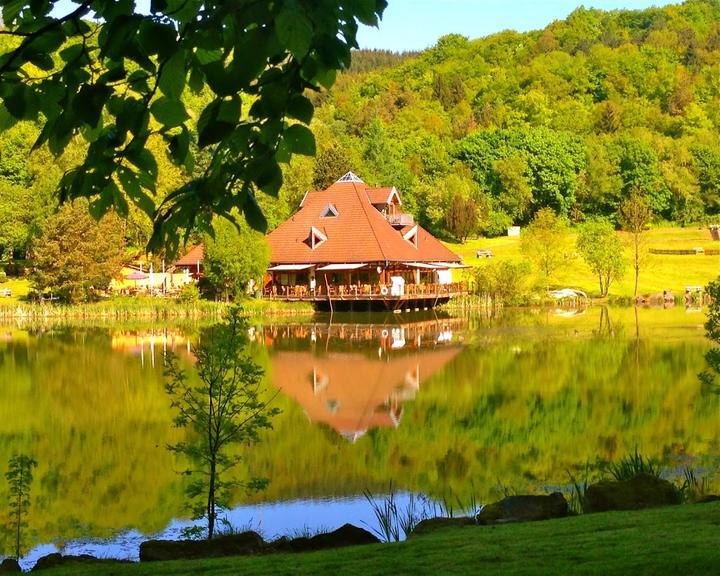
(576, 117)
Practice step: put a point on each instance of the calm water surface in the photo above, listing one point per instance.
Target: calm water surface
(458, 409)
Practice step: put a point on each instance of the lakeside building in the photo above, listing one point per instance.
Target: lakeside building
(352, 246)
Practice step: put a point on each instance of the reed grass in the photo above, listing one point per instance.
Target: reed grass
(122, 308)
(633, 464)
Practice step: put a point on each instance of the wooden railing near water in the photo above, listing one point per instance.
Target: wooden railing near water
(365, 292)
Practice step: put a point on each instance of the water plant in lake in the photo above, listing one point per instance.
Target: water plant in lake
(226, 407)
(633, 464)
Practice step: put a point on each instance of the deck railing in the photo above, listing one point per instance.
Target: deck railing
(400, 219)
(365, 292)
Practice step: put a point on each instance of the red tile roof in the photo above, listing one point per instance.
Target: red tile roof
(380, 195)
(191, 258)
(359, 233)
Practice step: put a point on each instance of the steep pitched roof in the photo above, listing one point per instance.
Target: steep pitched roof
(382, 195)
(195, 254)
(359, 232)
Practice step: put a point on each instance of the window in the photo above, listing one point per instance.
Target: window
(412, 236)
(315, 238)
(329, 212)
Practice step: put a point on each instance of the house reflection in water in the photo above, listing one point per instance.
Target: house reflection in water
(149, 343)
(357, 377)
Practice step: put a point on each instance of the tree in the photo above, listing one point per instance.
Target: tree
(226, 407)
(330, 165)
(543, 241)
(117, 82)
(462, 216)
(75, 255)
(19, 477)
(635, 214)
(601, 248)
(234, 257)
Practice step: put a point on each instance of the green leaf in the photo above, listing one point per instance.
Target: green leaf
(253, 214)
(43, 61)
(89, 102)
(217, 120)
(300, 108)
(172, 78)
(169, 112)
(101, 204)
(180, 146)
(131, 185)
(300, 139)
(294, 30)
(157, 38)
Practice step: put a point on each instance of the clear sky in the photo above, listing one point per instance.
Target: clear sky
(417, 24)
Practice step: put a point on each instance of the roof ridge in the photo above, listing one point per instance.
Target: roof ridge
(365, 207)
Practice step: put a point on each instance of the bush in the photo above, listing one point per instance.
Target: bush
(189, 294)
(502, 282)
(3, 276)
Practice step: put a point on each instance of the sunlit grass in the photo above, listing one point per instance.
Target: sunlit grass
(658, 272)
(678, 539)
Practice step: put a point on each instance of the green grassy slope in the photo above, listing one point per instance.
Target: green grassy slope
(679, 540)
(658, 272)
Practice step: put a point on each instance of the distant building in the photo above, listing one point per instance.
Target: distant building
(192, 262)
(353, 244)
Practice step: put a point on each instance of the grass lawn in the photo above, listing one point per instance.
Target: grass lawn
(658, 272)
(20, 288)
(676, 540)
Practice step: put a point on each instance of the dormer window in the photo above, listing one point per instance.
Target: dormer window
(315, 238)
(329, 212)
(412, 236)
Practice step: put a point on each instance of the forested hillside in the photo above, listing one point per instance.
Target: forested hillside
(575, 117)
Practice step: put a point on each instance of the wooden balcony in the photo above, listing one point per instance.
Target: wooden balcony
(412, 295)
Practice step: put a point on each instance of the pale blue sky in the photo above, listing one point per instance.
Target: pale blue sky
(417, 24)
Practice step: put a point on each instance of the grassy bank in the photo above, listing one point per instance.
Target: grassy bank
(681, 539)
(143, 308)
(658, 272)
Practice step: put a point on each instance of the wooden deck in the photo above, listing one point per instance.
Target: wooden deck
(413, 295)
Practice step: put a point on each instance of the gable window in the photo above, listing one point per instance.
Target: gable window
(329, 212)
(315, 238)
(412, 236)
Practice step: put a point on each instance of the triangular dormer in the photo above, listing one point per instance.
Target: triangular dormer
(330, 211)
(350, 177)
(412, 236)
(315, 238)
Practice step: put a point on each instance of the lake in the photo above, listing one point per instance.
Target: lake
(459, 409)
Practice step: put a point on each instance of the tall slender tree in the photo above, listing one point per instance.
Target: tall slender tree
(635, 214)
(224, 405)
(19, 477)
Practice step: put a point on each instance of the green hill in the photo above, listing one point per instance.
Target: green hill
(575, 116)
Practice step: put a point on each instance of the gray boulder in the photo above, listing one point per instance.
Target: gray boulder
(524, 509)
(431, 524)
(642, 491)
(9, 566)
(346, 535)
(234, 545)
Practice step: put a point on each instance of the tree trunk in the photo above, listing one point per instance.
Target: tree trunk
(211, 500)
(637, 263)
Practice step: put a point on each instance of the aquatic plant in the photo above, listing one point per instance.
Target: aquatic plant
(693, 488)
(394, 521)
(633, 464)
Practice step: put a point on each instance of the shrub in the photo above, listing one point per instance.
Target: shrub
(189, 294)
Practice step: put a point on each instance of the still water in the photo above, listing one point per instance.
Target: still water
(458, 409)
